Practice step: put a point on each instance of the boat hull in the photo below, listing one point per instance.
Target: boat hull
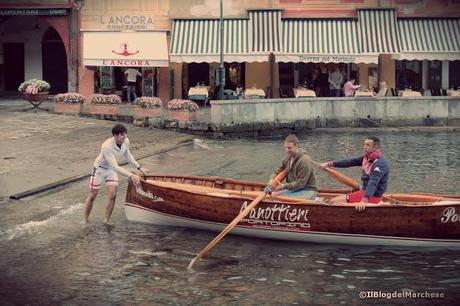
(211, 208)
(140, 214)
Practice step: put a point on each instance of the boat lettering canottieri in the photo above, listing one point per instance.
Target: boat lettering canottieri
(277, 215)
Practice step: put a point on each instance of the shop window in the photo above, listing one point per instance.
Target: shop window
(234, 75)
(454, 76)
(435, 75)
(286, 74)
(106, 81)
(408, 74)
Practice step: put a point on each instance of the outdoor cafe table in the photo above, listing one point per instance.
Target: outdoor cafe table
(453, 93)
(303, 92)
(198, 93)
(409, 93)
(254, 93)
(362, 93)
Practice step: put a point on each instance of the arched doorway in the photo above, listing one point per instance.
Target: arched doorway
(54, 61)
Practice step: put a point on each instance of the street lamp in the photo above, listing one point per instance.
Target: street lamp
(221, 70)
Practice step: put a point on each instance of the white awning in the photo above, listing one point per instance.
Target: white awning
(134, 49)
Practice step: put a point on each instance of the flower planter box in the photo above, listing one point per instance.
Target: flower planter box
(183, 116)
(100, 109)
(147, 112)
(67, 107)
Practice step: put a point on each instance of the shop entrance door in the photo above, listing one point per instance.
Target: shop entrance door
(14, 65)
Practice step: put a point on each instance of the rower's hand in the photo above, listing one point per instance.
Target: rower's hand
(361, 206)
(143, 170)
(268, 189)
(324, 165)
(136, 180)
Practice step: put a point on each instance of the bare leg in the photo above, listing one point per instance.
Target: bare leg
(112, 195)
(89, 203)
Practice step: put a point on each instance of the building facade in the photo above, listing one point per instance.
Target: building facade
(39, 39)
(274, 45)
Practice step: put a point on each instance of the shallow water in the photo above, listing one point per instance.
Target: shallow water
(49, 257)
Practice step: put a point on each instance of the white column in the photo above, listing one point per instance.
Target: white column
(33, 56)
(445, 74)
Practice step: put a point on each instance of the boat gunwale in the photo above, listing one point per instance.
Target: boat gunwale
(278, 200)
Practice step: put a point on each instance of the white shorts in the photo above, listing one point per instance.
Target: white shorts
(101, 175)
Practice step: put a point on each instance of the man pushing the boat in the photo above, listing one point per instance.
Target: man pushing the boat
(374, 178)
(300, 173)
(113, 151)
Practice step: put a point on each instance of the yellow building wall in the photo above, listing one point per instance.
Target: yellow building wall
(104, 15)
(258, 75)
(387, 70)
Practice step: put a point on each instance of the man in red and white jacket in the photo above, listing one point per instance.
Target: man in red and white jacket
(375, 175)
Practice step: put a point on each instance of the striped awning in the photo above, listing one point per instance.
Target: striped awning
(429, 39)
(322, 40)
(379, 32)
(199, 41)
(265, 30)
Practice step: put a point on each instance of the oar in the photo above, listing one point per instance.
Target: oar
(340, 177)
(279, 178)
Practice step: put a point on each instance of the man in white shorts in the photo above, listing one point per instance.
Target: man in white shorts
(113, 151)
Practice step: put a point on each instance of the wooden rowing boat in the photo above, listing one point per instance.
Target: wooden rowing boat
(210, 203)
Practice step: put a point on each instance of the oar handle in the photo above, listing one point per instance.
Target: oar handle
(340, 176)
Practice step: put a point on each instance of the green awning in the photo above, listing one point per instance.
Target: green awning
(429, 39)
(379, 32)
(265, 30)
(199, 41)
(322, 40)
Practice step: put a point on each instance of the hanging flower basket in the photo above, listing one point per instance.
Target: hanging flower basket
(183, 110)
(104, 104)
(68, 103)
(36, 97)
(150, 107)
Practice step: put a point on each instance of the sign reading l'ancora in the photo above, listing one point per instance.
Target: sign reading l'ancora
(125, 22)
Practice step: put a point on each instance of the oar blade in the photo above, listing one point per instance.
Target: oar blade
(227, 229)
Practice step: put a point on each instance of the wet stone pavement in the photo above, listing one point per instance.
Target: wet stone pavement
(48, 257)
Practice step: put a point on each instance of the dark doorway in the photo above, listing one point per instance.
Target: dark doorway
(14, 65)
(198, 73)
(54, 61)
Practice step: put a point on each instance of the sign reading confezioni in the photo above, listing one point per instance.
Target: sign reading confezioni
(125, 22)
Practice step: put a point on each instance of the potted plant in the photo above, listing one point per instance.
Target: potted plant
(70, 102)
(104, 104)
(183, 110)
(35, 91)
(148, 107)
